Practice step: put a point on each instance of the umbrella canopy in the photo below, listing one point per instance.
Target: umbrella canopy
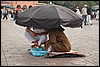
(49, 16)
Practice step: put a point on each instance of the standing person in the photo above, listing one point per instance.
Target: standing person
(10, 12)
(78, 11)
(18, 9)
(84, 14)
(24, 8)
(58, 41)
(14, 14)
(36, 36)
(89, 14)
(97, 15)
(5, 13)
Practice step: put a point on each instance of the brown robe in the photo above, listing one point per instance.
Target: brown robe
(58, 40)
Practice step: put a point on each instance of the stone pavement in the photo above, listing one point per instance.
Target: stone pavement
(14, 46)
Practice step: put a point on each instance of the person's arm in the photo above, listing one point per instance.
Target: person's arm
(42, 33)
(30, 31)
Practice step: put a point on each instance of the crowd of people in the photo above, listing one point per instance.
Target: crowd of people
(5, 12)
(87, 13)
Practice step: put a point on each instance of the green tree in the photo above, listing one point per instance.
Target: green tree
(72, 3)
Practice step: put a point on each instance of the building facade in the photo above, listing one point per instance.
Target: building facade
(21, 3)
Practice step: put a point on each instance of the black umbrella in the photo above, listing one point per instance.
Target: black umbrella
(49, 16)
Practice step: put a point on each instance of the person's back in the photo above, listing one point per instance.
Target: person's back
(84, 11)
(58, 41)
(89, 10)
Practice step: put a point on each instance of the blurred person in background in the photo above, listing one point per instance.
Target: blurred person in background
(97, 15)
(89, 14)
(84, 14)
(78, 11)
(5, 13)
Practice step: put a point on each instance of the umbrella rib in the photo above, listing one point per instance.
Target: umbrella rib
(68, 11)
(57, 12)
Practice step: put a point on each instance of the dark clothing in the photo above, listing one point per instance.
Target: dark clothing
(60, 29)
(58, 41)
(89, 11)
(5, 16)
(14, 15)
(85, 19)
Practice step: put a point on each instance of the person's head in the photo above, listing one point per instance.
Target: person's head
(77, 7)
(24, 7)
(85, 5)
(18, 6)
(14, 10)
(4, 8)
(90, 5)
(30, 6)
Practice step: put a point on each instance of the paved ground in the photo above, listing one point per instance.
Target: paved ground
(14, 47)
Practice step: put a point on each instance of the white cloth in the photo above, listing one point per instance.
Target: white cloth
(89, 19)
(97, 14)
(41, 38)
(2, 11)
(78, 12)
(84, 11)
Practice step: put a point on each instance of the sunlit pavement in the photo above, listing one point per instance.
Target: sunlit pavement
(14, 46)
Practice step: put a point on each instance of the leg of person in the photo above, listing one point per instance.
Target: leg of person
(97, 17)
(42, 39)
(85, 21)
(13, 16)
(4, 16)
(30, 38)
(90, 20)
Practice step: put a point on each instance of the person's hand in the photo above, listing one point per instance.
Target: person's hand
(33, 34)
